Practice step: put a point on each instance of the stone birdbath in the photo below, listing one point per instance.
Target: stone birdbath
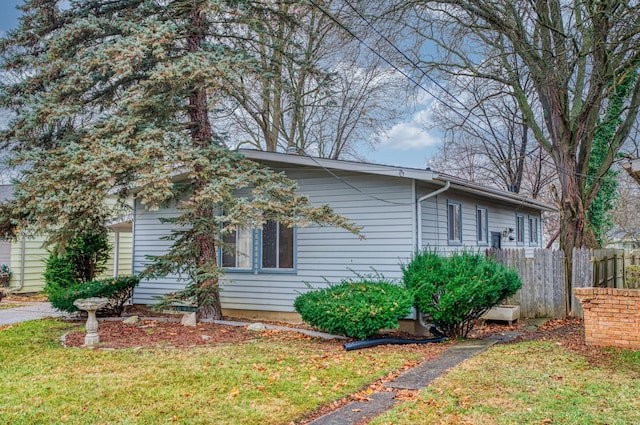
(90, 305)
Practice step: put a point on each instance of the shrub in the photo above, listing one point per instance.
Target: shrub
(455, 291)
(84, 258)
(89, 253)
(59, 272)
(355, 309)
(117, 289)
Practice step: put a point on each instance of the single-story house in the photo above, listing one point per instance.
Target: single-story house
(400, 210)
(27, 256)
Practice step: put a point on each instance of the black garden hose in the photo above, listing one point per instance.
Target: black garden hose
(356, 345)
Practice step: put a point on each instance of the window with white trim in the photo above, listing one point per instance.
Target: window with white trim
(482, 226)
(534, 238)
(237, 250)
(454, 222)
(519, 228)
(277, 246)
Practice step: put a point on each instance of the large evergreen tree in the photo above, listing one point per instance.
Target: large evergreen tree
(110, 95)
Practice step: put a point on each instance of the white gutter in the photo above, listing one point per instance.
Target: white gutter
(446, 187)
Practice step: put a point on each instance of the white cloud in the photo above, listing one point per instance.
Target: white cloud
(413, 133)
(408, 135)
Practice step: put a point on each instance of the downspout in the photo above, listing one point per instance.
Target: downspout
(419, 209)
(116, 253)
(414, 219)
(23, 255)
(419, 247)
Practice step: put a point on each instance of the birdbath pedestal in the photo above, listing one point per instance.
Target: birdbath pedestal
(90, 305)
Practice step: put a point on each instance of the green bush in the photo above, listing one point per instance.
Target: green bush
(355, 309)
(117, 289)
(59, 272)
(455, 291)
(83, 259)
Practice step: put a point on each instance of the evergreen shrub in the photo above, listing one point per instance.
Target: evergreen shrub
(83, 259)
(117, 289)
(355, 309)
(455, 291)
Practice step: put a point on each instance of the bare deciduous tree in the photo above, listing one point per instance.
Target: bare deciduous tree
(575, 55)
(487, 140)
(318, 89)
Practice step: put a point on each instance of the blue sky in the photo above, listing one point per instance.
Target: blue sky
(406, 144)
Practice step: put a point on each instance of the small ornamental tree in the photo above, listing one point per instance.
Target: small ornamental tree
(455, 291)
(81, 261)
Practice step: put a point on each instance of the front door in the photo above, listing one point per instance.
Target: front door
(495, 240)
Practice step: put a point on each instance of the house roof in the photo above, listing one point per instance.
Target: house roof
(394, 171)
(633, 168)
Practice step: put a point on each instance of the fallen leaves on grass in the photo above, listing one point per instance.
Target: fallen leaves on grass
(569, 333)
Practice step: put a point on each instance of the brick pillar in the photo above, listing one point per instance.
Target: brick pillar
(611, 316)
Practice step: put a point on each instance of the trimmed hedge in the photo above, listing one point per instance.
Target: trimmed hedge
(355, 309)
(117, 289)
(455, 291)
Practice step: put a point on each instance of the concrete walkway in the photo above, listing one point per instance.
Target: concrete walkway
(28, 311)
(416, 378)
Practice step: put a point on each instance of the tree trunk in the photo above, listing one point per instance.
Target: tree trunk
(209, 305)
(573, 219)
(208, 299)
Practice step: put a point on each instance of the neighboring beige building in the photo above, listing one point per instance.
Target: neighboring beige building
(27, 257)
(28, 260)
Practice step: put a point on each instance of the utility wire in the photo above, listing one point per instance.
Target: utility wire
(387, 61)
(416, 66)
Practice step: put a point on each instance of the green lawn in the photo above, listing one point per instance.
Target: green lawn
(263, 382)
(529, 383)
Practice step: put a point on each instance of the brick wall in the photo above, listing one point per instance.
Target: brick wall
(611, 316)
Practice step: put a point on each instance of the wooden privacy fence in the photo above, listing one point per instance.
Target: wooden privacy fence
(601, 268)
(610, 267)
(543, 292)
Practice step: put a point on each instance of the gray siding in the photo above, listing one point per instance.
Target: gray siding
(501, 216)
(381, 205)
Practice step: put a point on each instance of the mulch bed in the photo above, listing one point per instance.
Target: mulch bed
(152, 333)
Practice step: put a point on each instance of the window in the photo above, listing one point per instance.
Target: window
(277, 246)
(519, 228)
(454, 221)
(237, 251)
(533, 231)
(482, 227)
